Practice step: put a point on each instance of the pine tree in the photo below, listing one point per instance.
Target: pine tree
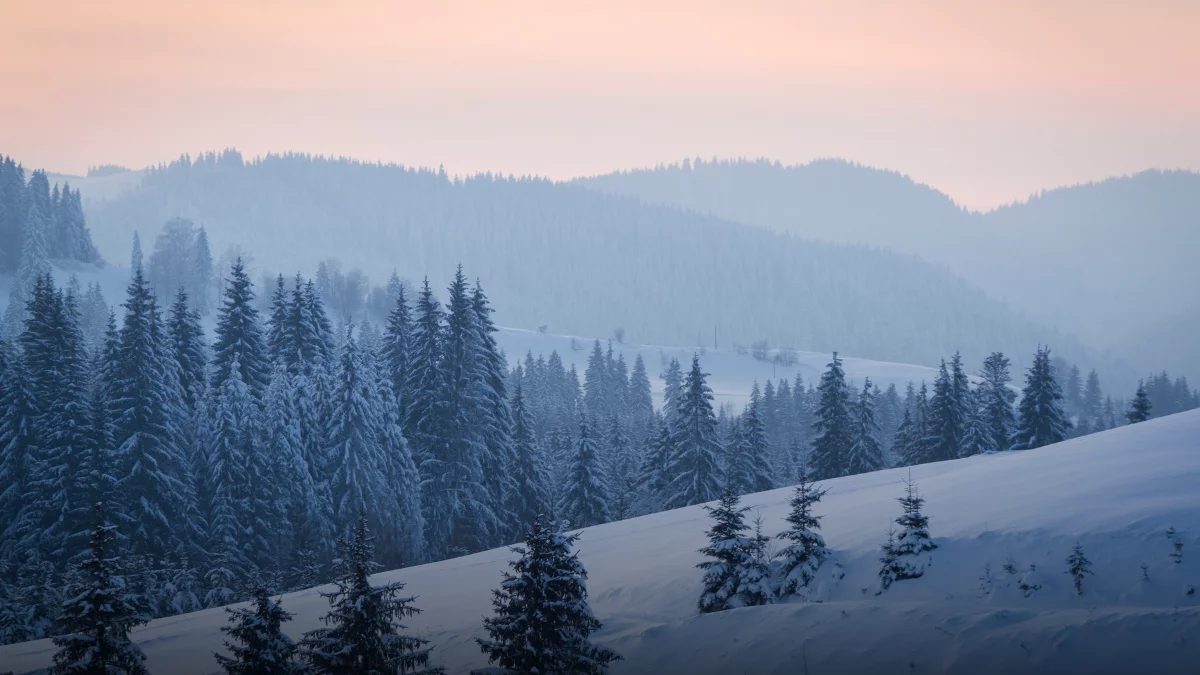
(202, 265)
(866, 450)
(596, 385)
(947, 413)
(135, 254)
(995, 400)
(1041, 417)
(672, 391)
(692, 475)
(805, 549)
(397, 344)
(356, 463)
(362, 630)
(1078, 566)
(259, 646)
(1093, 402)
(905, 555)
(34, 261)
(542, 621)
(530, 497)
(748, 470)
(300, 513)
(977, 436)
(1139, 409)
(277, 322)
(833, 426)
(239, 336)
(99, 612)
(730, 578)
(619, 469)
(585, 495)
(142, 405)
(640, 403)
(405, 543)
(493, 416)
(231, 516)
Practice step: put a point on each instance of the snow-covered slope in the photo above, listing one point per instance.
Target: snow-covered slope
(1116, 493)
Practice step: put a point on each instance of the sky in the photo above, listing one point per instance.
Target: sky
(987, 101)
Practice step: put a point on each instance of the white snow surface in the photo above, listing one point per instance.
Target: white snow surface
(1115, 492)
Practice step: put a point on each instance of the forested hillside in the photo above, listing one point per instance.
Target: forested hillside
(661, 275)
(1111, 262)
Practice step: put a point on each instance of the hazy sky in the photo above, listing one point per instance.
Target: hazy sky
(988, 101)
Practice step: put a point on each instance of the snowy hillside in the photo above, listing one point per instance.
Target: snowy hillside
(1117, 493)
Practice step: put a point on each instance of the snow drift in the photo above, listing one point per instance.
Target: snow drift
(1118, 493)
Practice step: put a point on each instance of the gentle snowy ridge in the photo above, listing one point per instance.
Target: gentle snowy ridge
(1116, 492)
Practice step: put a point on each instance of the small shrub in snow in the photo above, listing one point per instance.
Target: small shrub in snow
(1078, 566)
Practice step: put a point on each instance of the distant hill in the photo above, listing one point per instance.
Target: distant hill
(583, 262)
(1104, 261)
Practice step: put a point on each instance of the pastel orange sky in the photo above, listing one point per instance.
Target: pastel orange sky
(988, 101)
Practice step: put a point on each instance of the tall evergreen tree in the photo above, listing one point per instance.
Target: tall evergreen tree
(34, 261)
(866, 450)
(239, 336)
(692, 473)
(542, 621)
(947, 415)
(640, 404)
(833, 426)
(585, 495)
(99, 612)
(1042, 420)
(1139, 408)
(362, 629)
(748, 470)
(996, 399)
(141, 405)
(530, 497)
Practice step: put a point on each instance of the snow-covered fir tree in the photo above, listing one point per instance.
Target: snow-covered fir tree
(542, 621)
(1140, 407)
(1041, 418)
(732, 571)
(804, 548)
(530, 496)
(866, 450)
(907, 555)
(747, 469)
(257, 644)
(362, 633)
(619, 467)
(833, 426)
(692, 474)
(34, 261)
(99, 611)
(585, 498)
(995, 400)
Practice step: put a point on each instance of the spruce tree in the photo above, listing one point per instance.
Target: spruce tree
(619, 468)
(977, 436)
(259, 646)
(362, 629)
(833, 426)
(542, 621)
(805, 547)
(730, 573)
(947, 414)
(34, 261)
(905, 556)
(866, 450)
(405, 541)
(692, 474)
(1042, 420)
(142, 406)
(995, 400)
(234, 553)
(747, 468)
(530, 496)
(239, 336)
(99, 612)
(1078, 566)
(640, 404)
(1139, 408)
(585, 495)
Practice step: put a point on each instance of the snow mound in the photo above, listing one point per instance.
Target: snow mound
(1118, 493)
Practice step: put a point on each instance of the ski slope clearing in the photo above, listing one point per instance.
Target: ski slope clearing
(1117, 493)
